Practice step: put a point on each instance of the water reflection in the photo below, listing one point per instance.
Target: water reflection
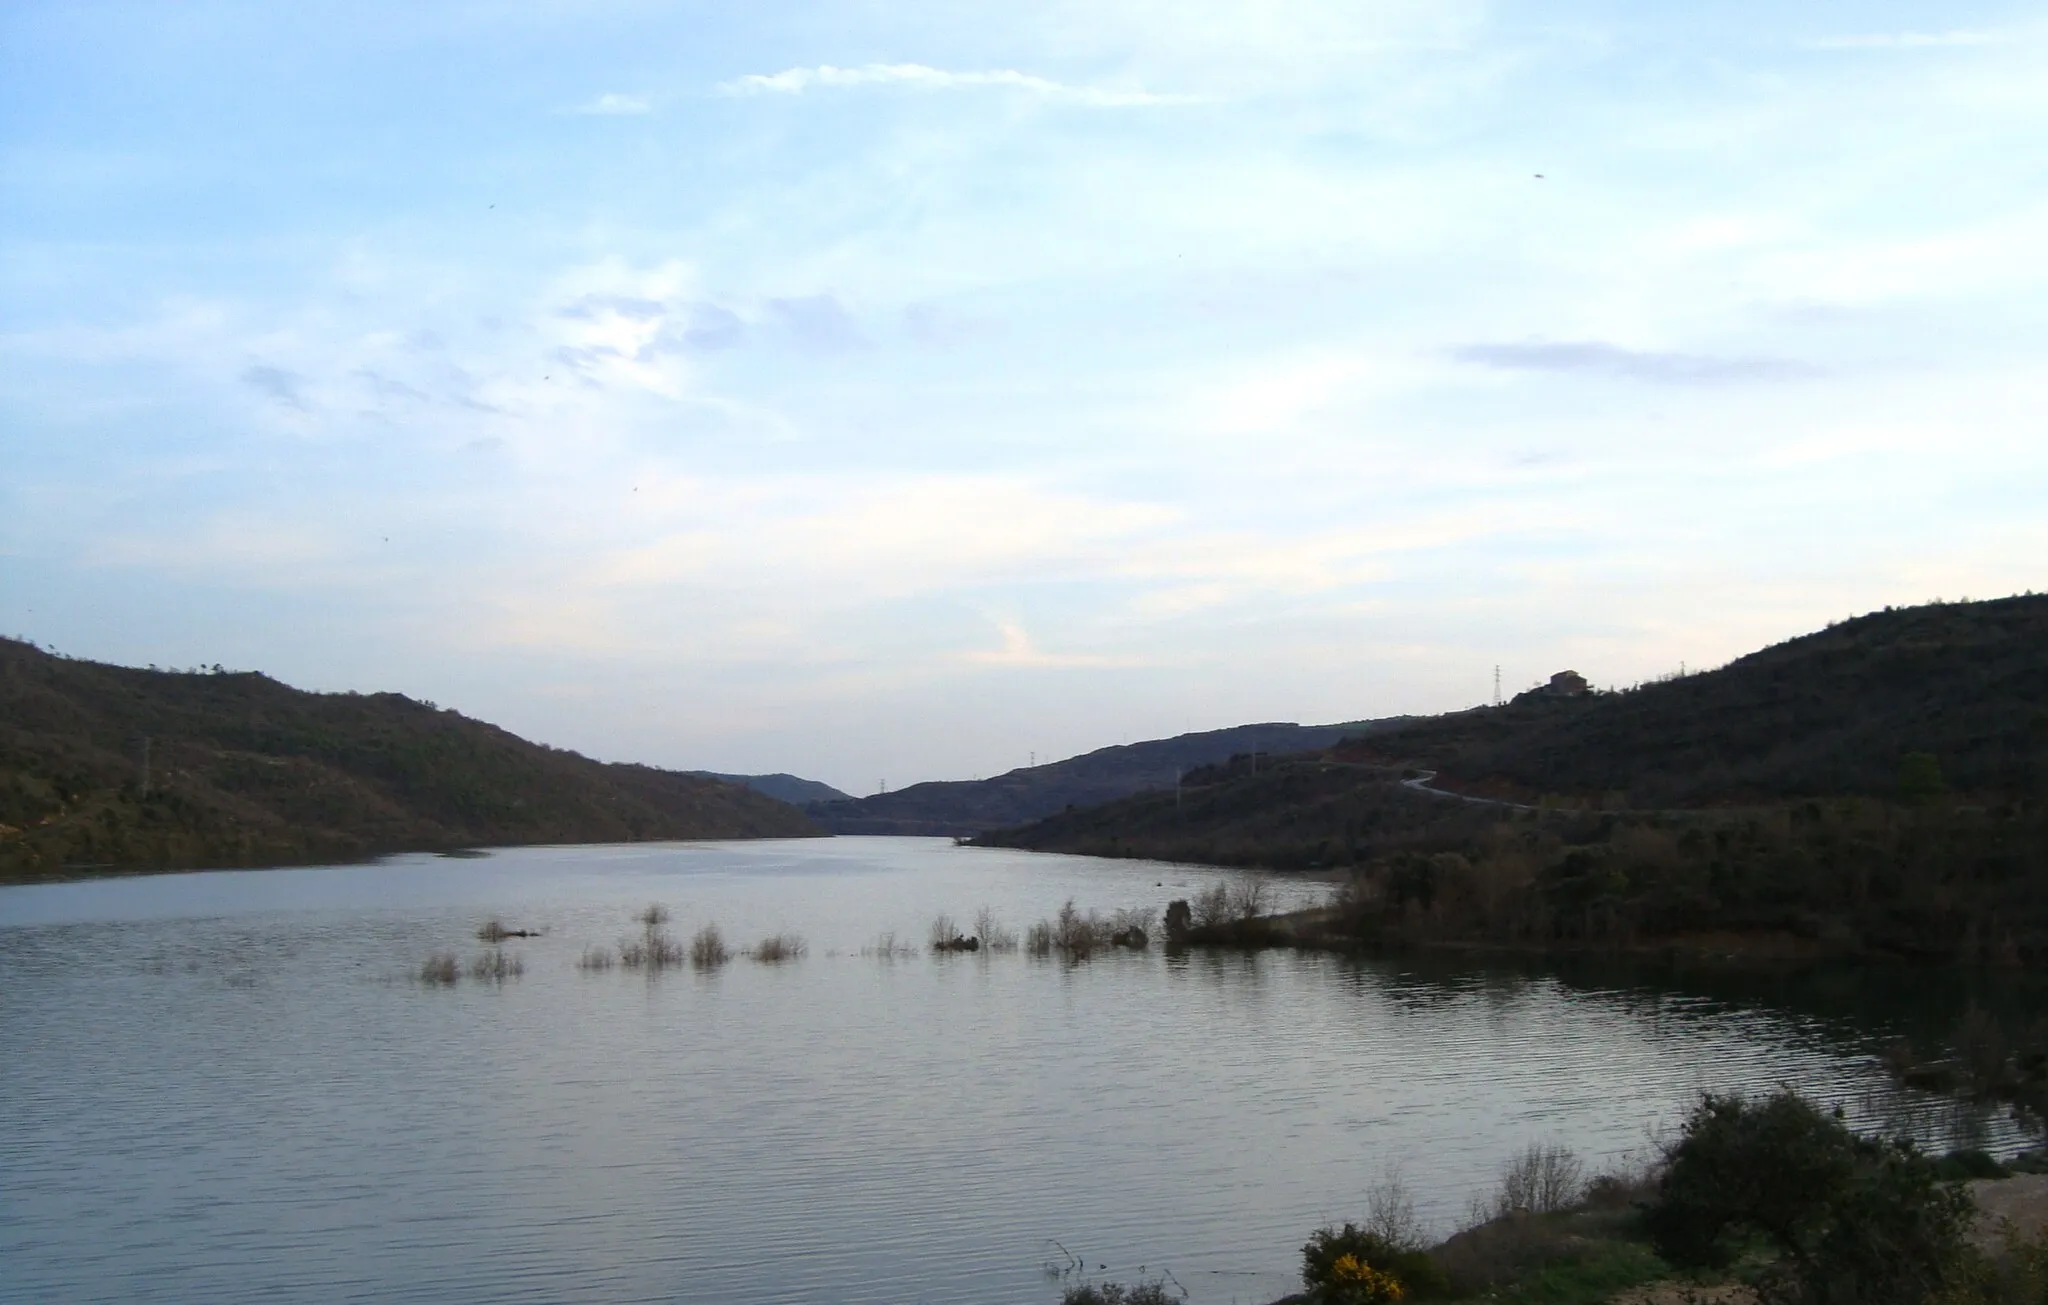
(230, 1087)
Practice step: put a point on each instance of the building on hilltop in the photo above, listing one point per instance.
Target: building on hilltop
(1564, 684)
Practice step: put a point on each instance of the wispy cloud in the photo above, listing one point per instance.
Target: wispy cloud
(1905, 40)
(287, 387)
(612, 104)
(1599, 357)
(1019, 652)
(917, 76)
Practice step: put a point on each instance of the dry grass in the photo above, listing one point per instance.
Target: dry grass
(440, 970)
(707, 948)
(495, 966)
(779, 947)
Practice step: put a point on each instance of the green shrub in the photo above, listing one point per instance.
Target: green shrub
(1330, 1260)
(1851, 1220)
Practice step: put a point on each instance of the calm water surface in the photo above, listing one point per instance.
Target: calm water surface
(226, 1087)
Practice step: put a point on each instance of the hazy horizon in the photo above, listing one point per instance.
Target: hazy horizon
(883, 393)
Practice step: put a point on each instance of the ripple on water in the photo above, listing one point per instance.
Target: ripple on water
(227, 1087)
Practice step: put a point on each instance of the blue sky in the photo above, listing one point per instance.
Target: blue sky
(893, 391)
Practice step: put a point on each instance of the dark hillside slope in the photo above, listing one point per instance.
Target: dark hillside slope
(970, 806)
(792, 789)
(1772, 799)
(1830, 713)
(111, 767)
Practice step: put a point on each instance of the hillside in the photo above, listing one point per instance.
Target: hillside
(107, 767)
(782, 787)
(1879, 785)
(1829, 713)
(959, 807)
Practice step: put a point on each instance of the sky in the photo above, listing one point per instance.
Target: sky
(897, 391)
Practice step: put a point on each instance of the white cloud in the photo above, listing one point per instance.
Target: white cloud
(1019, 652)
(612, 104)
(917, 76)
(1906, 40)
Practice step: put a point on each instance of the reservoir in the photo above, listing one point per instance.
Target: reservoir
(233, 1087)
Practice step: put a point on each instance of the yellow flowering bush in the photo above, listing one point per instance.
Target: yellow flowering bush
(1352, 1279)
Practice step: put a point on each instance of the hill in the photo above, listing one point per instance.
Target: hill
(108, 767)
(959, 807)
(1878, 785)
(781, 787)
(1826, 714)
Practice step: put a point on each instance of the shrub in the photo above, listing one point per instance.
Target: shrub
(1038, 939)
(994, 937)
(1141, 1292)
(493, 930)
(1350, 1264)
(596, 959)
(707, 948)
(495, 966)
(1544, 1179)
(780, 947)
(440, 970)
(1853, 1220)
(655, 916)
(943, 930)
(1211, 908)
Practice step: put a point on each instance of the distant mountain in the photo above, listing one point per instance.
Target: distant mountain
(961, 807)
(110, 767)
(781, 787)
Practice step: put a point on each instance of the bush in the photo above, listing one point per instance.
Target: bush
(780, 947)
(440, 970)
(1351, 1264)
(1852, 1220)
(1116, 1293)
(1544, 1179)
(707, 948)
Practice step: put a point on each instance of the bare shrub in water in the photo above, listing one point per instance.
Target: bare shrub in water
(1076, 934)
(943, 930)
(1140, 918)
(1211, 907)
(653, 950)
(655, 916)
(493, 930)
(495, 966)
(1038, 939)
(707, 948)
(994, 937)
(596, 960)
(779, 947)
(440, 970)
(1249, 897)
(887, 947)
